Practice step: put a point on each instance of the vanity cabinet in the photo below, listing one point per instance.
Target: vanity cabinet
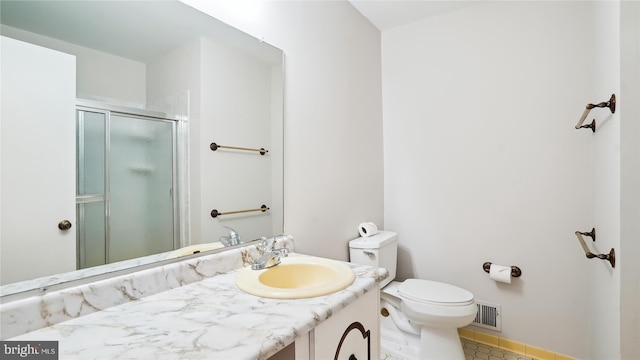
(351, 334)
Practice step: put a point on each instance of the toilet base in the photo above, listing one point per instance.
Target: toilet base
(440, 343)
(403, 345)
(404, 352)
(396, 342)
(436, 342)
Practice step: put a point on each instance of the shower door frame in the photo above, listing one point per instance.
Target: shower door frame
(142, 114)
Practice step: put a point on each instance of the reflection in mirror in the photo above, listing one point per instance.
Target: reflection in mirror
(108, 112)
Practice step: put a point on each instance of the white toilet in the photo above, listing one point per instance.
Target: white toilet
(420, 318)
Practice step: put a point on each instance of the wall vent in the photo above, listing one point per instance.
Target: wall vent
(488, 316)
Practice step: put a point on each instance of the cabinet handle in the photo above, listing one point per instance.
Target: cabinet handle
(64, 225)
(353, 357)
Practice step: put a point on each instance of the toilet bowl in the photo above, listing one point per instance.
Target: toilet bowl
(419, 318)
(438, 310)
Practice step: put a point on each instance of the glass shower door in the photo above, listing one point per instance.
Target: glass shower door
(141, 187)
(91, 200)
(125, 186)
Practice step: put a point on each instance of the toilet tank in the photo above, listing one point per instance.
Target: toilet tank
(378, 250)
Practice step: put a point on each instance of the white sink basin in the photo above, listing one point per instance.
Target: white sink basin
(296, 277)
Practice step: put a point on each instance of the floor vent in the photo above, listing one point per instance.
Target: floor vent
(488, 316)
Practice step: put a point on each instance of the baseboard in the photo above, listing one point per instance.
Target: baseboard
(510, 345)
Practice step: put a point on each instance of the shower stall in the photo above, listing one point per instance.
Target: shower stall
(126, 184)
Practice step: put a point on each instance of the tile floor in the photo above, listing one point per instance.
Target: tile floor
(476, 351)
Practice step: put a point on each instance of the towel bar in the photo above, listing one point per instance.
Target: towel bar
(611, 104)
(216, 213)
(215, 147)
(611, 256)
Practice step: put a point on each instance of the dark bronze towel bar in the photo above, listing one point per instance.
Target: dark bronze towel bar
(611, 104)
(611, 256)
(216, 213)
(215, 147)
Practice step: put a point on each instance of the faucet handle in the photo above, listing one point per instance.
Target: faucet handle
(224, 240)
(284, 252)
(232, 239)
(268, 244)
(232, 232)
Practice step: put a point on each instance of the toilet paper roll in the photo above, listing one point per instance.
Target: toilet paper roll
(367, 229)
(500, 273)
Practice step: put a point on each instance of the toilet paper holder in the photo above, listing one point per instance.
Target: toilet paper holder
(515, 271)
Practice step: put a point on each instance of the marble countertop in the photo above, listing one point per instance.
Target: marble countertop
(207, 319)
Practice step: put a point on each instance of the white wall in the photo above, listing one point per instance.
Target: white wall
(99, 74)
(179, 72)
(604, 288)
(482, 162)
(236, 112)
(629, 251)
(230, 104)
(333, 133)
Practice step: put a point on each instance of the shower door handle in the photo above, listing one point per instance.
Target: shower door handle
(64, 225)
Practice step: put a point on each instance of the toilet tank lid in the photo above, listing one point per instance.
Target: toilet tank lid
(376, 241)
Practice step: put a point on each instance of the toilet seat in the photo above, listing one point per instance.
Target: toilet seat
(434, 293)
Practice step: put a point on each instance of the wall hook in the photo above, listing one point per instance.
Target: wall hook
(611, 104)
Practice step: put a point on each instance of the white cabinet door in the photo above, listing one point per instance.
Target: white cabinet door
(37, 188)
(352, 333)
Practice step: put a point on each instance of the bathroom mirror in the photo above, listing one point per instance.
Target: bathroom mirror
(130, 61)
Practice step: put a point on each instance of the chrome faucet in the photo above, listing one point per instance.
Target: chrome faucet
(271, 257)
(232, 239)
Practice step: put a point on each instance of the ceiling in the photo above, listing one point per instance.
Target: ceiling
(136, 30)
(387, 14)
(108, 25)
